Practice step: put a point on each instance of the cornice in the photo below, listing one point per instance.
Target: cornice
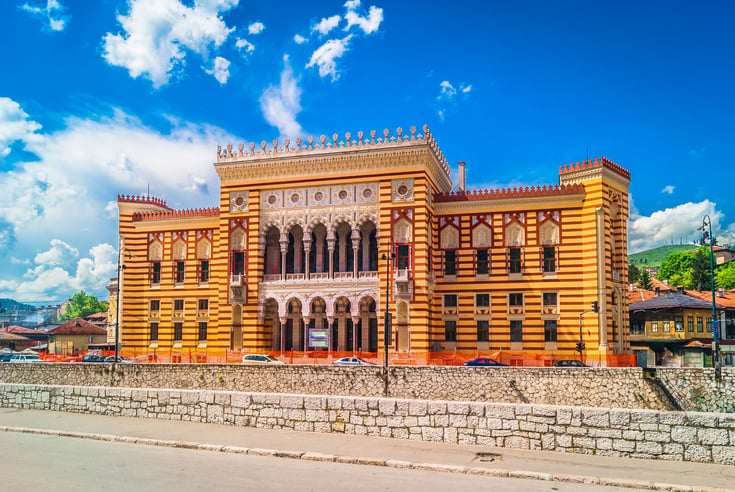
(593, 173)
(210, 222)
(548, 201)
(370, 161)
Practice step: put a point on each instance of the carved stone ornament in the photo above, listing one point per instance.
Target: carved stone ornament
(402, 190)
(239, 201)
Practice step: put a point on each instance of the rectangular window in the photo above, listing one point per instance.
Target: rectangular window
(482, 266)
(515, 299)
(690, 323)
(654, 325)
(549, 259)
(700, 324)
(202, 331)
(550, 299)
(514, 260)
(238, 263)
(180, 271)
(483, 331)
(178, 304)
(204, 271)
(482, 300)
(709, 324)
(667, 326)
(678, 323)
(550, 330)
(178, 331)
(450, 300)
(155, 305)
(402, 257)
(450, 331)
(154, 332)
(450, 262)
(155, 272)
(638, 327)
(516, 331)
(203, 304)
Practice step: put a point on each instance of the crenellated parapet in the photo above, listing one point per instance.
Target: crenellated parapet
(142, 199)
(590, 164)
(516, 192)
(176, 214)
(324, 146)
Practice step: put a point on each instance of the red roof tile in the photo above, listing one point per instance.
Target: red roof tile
(78, 327)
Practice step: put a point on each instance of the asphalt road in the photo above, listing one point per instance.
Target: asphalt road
(34, 462)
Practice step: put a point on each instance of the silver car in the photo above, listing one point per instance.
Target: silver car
(260, 359)
(352, 361)
(24, 358)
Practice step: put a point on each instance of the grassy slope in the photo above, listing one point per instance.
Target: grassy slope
(656, 256)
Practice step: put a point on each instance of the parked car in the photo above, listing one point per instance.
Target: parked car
(120, 359)
(25, 358)
(484, 362)
(260, 359)
(5, 356)
(570, 363)
(93, 358)
(352, 361)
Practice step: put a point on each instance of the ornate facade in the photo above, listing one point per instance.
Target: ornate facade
(313, 241)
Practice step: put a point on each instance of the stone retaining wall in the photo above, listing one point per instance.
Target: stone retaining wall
(693, 389)
(700, 437)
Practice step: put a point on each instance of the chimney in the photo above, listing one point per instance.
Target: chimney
(461, 175)
(679, 289)
(721, 292)
(657, 290)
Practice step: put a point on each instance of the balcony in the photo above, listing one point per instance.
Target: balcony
(237, 279)
(319, 276)
(515, 310)
(368, 275)
(549, 309)
(295, 276)
(343, 275)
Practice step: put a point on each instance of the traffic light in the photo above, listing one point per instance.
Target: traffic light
(596, 306)
(580, 346)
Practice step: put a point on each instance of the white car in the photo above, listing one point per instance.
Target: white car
(260, 359)
(352, 361)
(24, 358)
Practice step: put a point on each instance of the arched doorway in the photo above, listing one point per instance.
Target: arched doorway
(272, 254)
(342, 329)
(272, 323)
(318, 325)
(293, 331)
(367, 326)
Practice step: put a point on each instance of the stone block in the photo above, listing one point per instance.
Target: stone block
(697, 453)
(719, 437)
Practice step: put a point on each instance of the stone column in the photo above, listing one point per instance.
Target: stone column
(284, 249)
(355, 320)
(355, 236)
(282, 331)
(330, 247)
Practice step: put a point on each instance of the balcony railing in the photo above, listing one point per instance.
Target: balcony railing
(236, 279)
(321, 276)
(271, 277)
(295, 276)
(368, 275)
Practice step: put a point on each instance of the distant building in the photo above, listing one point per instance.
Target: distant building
(75, 336)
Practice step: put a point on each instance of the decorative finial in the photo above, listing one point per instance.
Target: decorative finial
(372, 136)
(359, 138)
(347, 138)
(252, 148)
(275, 146)
(240, 147)
(311, 142)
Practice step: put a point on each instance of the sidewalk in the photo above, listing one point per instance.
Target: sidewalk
(543, 465)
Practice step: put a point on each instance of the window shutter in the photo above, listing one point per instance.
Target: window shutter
(507, 260)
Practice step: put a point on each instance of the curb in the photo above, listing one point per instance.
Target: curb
(311, 456)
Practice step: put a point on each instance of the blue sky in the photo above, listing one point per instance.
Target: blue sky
(115, 96)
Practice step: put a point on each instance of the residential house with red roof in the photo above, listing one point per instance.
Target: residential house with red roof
(75, 336)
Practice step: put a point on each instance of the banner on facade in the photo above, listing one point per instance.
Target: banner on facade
(318, 338)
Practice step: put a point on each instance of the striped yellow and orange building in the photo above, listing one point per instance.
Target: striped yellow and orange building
(313, 240)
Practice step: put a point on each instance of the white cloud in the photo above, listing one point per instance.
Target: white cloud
(326, 55)
(668, 189)
(368, 24)
(675, 224)
(256, 28)
(49, 281)
(158, 34)
(15, 126)
(18, 261)
(299, 39)
(220, 70)
(244, 44)
(281, 104)
(440, 113)
(326, 24)
(69, 193)
(60, 254)
(466, 89)
(447, 91)
(53, 13)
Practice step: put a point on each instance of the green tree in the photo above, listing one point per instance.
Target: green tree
(644, 280)
(675, 264)
(82, 305)
(725, 276)
(701, 270)
(634, 273)
(690, 269)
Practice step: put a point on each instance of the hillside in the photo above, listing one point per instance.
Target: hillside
(13, 305)
(654, 257)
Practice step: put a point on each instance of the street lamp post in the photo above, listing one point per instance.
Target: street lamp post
(120, 267)
(707, 235)
(387, 336)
